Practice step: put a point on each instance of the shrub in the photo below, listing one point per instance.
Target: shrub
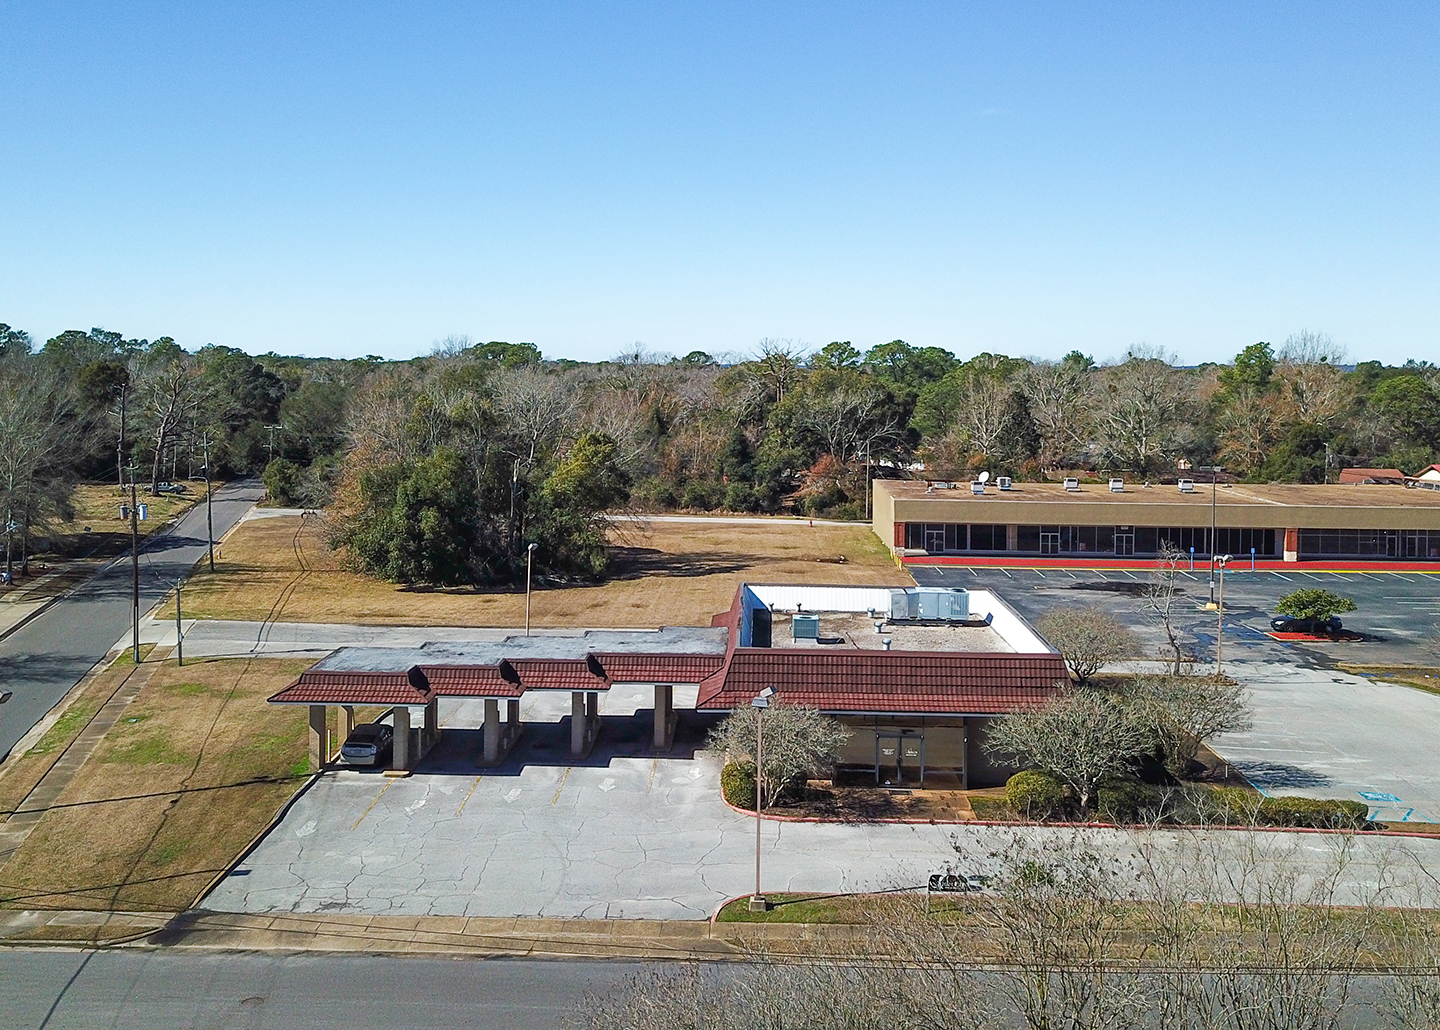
(1034, 794)
(741, 497)
(1234, 804)
(737, 783)
(1125, 799)
(282, 480)
(1322, 813)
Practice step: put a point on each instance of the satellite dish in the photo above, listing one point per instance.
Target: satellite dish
(984, 477)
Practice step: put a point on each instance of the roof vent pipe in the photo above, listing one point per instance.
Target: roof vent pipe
(879, 627)
(887, 643)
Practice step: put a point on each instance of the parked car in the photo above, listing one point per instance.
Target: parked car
(1314, 627)
(369, 744)
(170, 488)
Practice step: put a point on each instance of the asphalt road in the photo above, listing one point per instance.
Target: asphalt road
(75, 990)
(42, 660)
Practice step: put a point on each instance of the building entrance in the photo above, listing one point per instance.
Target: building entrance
(1124, 541)
(1049, 542)
(899, 758)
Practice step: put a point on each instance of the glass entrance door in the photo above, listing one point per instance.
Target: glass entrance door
(899, 757)
(1124, 541)
(1049, 541)
(935, 539)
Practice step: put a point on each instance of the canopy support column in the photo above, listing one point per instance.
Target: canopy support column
(319, 731)
(665, 717)
(400, 753)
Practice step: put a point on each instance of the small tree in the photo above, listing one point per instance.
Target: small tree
(797, 739)
(1088, 638)
(1185, 711)
(1159, 601)
(1079, 738)
(1313, 603)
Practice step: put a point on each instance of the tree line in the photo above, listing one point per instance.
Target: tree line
(446, 466)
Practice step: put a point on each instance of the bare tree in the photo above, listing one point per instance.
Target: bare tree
(535, 406)
(1139, 408)
(1313, 384)
(1186, 711)
(1159, 601)
(1055, 392)
(170, 391)
(797, 739)
(1079, 738)
(779, 365)
(1088, 638)
(846, 418)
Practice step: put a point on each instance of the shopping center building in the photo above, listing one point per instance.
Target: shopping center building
(1122, 519)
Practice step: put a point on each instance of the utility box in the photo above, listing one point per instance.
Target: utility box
(942, 604)
(1117, 486)
(955, 605)
(903, 606)
(804, 626)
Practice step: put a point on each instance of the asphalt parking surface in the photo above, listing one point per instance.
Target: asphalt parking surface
(1318, 732)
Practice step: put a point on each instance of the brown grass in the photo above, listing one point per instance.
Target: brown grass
(198, 766)
(667, 573)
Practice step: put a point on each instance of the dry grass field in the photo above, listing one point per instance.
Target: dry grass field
(668, 573)
(196, 767)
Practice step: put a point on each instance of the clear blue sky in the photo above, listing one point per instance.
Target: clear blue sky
(356, 178)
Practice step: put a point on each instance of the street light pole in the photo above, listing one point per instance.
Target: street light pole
(134, 569)
(5, 696)
(760, 703)
(1221, 561)
(529, 561)
(209, 509)
(1214, 470)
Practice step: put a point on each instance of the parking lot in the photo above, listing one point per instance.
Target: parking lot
(1318, 731)
(625, 834)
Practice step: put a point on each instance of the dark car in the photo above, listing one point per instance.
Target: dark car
(369, 744)
(1313, 627)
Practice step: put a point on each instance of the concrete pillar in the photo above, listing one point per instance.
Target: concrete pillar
(965, 754)
(492, 730)
(1292, 545)
(431, 733)
(1012, 538)
(400, 757)
(577, 722)
(664, 716)
(347, 721)
(319, 730)
(512, 714)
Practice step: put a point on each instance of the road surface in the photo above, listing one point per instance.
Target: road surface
(77, 990)
(42, 660)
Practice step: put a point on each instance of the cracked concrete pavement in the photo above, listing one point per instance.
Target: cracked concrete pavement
(623, 835)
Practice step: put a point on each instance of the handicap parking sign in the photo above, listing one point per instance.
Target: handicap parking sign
(1379, 796)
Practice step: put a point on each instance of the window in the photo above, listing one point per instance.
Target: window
(1027, 539)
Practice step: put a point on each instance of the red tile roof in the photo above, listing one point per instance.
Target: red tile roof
(556, 673)
(333, 687)
(471, 681)
(887, 682)
(659, 668)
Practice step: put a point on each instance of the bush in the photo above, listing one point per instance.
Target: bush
(1034, 795)
(741, 497)
(1320, 813)
(737, 783)
(282, 480)
(702, 495)
(1128, 800)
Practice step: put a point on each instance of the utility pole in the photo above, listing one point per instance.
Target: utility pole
(273, 430)
(529, 559)
(209, 509)
(1222, 561)
(179, 629)
(134, 568)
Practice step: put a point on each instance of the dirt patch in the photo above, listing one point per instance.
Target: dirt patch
(198, 765)
(666, 574)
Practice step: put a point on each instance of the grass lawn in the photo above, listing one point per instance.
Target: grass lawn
(196, 767)
(667, 574)
(1427, 679)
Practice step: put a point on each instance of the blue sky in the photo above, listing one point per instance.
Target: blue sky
(345, 179)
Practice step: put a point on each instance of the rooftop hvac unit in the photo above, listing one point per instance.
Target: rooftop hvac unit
(977, 487)
(1003, 482)
(1117, 486)
(804, 627)
(945, 604)
(1187, 486)
(1072, 484)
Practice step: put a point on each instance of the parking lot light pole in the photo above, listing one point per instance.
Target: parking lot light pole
(760, 703)
(209, 509)
(1214, 471)
(5, 695)
(529, 561)
(1220, 561)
